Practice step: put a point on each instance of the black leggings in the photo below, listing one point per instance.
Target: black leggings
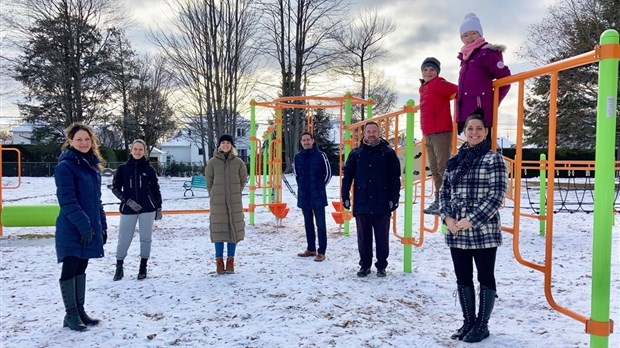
(485, 264)
(73, 266)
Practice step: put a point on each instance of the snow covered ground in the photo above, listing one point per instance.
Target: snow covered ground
(277, 299)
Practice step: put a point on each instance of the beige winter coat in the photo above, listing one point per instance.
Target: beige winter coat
(226, 178)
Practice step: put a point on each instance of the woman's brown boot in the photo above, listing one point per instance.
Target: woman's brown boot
(230, 265)
(219, 263)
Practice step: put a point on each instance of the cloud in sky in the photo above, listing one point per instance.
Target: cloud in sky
(423, 28)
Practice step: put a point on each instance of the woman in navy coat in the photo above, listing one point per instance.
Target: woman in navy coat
(81, 224)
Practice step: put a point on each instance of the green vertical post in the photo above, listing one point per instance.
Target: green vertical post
(252, 158)
(604, 187)
(543, 193)
(347, 142)
(409, 157)
(369, 109)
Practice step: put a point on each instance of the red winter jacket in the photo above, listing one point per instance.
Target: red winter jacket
(435, 105)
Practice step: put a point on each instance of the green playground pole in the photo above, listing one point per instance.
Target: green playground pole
(409, 157)
(369, 109)
(252, 158)
(347, 142)
(30, 215)
(543, 191)
(604, 186)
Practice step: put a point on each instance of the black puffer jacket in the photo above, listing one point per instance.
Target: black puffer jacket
(137, 180)
(374, 172)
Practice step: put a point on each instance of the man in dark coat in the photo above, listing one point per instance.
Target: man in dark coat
(374, 170)
(312, 172)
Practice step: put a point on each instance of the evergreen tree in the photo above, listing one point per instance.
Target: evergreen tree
(572, 27)
(322, 126)
(65, 68)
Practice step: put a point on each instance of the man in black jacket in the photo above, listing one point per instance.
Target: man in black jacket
(374, 170)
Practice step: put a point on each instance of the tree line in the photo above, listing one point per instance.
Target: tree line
(75, 63)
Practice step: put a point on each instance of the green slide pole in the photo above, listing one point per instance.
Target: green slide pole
(604, 187)
(543, 191)
(409, 157)
(369, 109)
(30, 215)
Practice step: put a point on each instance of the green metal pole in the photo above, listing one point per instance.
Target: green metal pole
(604, 187)
(369, 109)
(409, 157)
(347, 141)
(252, 158)
(543, 191)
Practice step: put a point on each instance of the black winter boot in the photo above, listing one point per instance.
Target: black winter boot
(467, 298)
(480, 330)
(119, 270)
(142, 271)
(72, 317)
(80, 294)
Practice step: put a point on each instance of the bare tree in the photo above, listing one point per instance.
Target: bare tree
(361, 42)
(210, 54)
(149, 102)
(299, 36)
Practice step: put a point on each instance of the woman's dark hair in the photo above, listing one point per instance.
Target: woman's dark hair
(477, 114)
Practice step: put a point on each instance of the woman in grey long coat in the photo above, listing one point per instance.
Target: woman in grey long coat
(226, 175)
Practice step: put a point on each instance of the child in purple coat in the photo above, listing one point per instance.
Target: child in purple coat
(481, 63)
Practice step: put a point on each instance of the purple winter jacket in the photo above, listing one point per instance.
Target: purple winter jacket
(475, 87)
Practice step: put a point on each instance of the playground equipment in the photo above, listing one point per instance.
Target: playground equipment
(266, 167)
(19, 175)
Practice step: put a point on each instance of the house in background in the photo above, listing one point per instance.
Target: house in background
(181, 149)
(22, 134)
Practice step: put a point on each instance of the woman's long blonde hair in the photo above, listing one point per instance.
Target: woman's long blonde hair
(76, 127)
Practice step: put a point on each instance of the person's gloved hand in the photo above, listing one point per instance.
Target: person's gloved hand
(86, 238)
(105, 236)
(346, 203)
(392, 206)
(158, 214)
(133, 205)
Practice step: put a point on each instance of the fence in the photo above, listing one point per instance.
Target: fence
(9, 169)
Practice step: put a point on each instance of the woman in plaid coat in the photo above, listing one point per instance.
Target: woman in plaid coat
(473, 190)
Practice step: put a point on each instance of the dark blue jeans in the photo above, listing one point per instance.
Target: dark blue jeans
(464, 269)
(310, 215)
(379, 226)
(230, 248)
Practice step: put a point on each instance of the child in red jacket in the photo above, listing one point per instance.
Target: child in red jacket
(436, 122)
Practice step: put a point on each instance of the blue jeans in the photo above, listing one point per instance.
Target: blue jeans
(230, 248)
(310, 215)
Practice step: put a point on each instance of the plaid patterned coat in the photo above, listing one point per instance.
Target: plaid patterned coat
(478, 196)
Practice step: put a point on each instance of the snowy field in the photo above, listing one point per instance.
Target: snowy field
(277, 299)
